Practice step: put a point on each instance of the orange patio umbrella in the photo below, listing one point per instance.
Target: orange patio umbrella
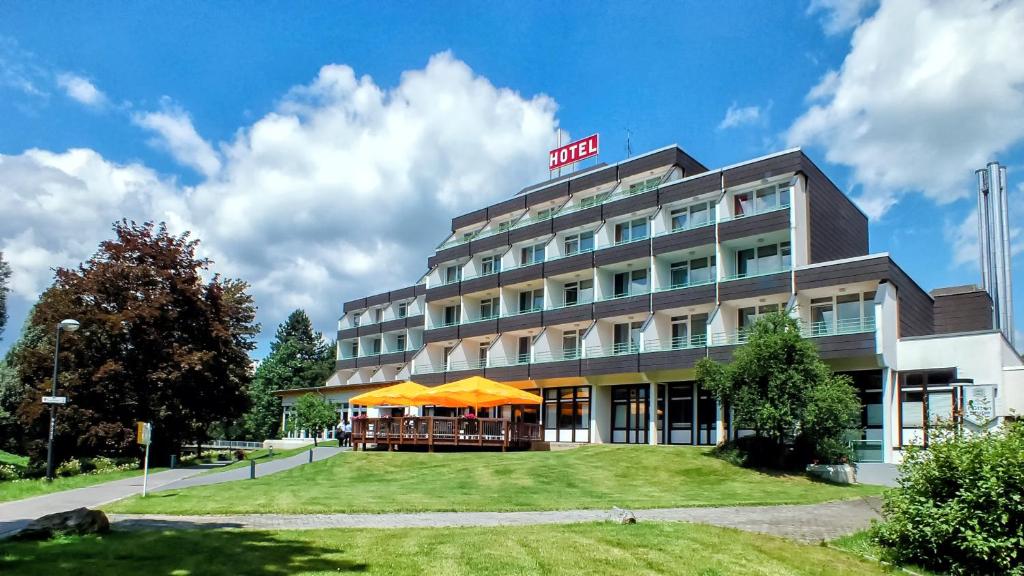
(476, 391)
(403, 394)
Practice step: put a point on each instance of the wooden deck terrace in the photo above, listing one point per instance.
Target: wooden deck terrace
(433, 431)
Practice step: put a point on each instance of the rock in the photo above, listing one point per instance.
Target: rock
(79, 521)
(834, 473)
(621, 516)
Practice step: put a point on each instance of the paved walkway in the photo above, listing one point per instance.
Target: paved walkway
(16, 514)
(807, 523)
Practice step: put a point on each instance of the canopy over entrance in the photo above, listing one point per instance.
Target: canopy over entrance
(475, 391)
(403, 394)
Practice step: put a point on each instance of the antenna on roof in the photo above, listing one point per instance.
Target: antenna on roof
(629, 145)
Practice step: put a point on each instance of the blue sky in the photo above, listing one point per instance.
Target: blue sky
(222, 119)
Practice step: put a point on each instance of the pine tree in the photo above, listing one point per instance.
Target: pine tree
(5, 276)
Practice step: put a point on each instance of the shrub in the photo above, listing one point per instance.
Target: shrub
(959, 507)
(70, 467)
(103, 464)
(9, 472)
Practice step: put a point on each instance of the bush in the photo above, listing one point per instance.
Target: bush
(70, 467)
(959, 507)
(9, 472)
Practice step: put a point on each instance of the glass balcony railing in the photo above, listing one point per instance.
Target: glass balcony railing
(867, 451)
(739, 276)
(577, 303)
(689, 226)
(491, 272)
(836, 327)
(756, 212)
(455, 365)
(570, 255)
(690, 284)
(617, 349)
(677, 343)
(557, 355)
(524, 222)
(730, 338)
(518, 360)
(633, 292)
(428, 368)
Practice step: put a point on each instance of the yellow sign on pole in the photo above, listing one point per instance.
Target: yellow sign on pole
(143, 432)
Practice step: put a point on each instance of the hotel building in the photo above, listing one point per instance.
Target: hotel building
(602, 289)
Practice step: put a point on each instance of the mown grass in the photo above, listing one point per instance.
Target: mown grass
(578, 549)
(263, 455)
(590, 477)
(13, 459)
(860, 544)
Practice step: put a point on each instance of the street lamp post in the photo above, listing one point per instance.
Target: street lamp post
(70, 326)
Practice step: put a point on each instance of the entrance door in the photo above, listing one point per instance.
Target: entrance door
(630, 404)
(707, 418)
(678, 413)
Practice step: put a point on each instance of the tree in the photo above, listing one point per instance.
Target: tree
(157, 343)
(5, 276)
(313, 413)
(778, 386)
(299, 358)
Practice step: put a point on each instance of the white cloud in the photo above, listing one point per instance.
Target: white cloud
(840, 15)
(342, 191)
(81, 90)
(928, 93)
(176, 134)
(739, 116)
(963, 236)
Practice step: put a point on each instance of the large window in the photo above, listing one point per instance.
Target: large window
(692, 272)
(631, 231)
(452, 274)
(926, 399)
(842, 314)
(489, 308)
(400, 342)
(354, 350)
(376, 346)
(631, 283)
(452, 314)
(523, 350)
(763, 260)
(747, 316)
(578, 243)
(581, 292)
(627, 337)
(531, 300)
(645, 186)
(490, 265)
(693, 216)
(403, 309)
(630, 405)
(688, 331)
(531, 254)
(761, 200)
(572, 343)
(594, 200)
(567, 414)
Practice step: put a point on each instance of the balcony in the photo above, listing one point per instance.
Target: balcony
(753, 224)
(673, 354)
(684, 294)
(635, 302)
(676, 343)
(684, 238)
(740, 286)
(838, 327)
(623, 251)
(578, 312)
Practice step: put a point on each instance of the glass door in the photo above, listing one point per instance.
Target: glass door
(630, 406)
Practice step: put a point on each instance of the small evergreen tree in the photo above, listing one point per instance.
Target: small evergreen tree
(5, 276)
(313, 413)
(779, 387)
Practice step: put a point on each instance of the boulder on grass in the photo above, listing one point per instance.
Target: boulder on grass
(621, 516)
(79, 521)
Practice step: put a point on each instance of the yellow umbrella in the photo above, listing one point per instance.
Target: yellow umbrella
(397, 395)
(477, 392)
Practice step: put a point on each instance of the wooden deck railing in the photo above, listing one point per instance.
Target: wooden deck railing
(431, 431)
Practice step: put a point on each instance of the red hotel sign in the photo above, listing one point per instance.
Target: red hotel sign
(574, 152)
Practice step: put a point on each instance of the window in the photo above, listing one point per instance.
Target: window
(843, 313)
(627, 337)
(452, 315)
(532, 254)
(452, 274)
(572, 344)
(400, 343)
(354, 350)
(544, 214)
(403, 309)
(446, 352)
(926, 399)
(376, 345)
(645, 186)
(763, 260)
(579, 243)
(593, 200)
(567, 413)
(523, 351)
(489, 308)
(689, 331)
(692, 272)
(581, 292)
(482, 354)
(747, 316)
(630, 283)
(742, 205)
(761, 200)
(631, 231)
(693, 216)
(531, 300)
(502, 226)
(490, 265)
(355, 319)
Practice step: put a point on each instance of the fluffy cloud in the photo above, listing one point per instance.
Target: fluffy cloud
(342, 191)
(840, 15)
(963, 237)
(928, 93)
(739, 116)
(81, 90)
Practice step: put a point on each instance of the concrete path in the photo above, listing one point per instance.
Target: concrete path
(806, 523)
(262, 470)
(16, 514)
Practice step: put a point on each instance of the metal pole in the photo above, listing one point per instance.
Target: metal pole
(145, 472)
(53, 409)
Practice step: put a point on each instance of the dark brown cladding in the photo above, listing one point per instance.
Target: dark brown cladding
(489, 242)
(433, 379)
(860, 270)
(474, 217)
(509, 373)
(560, 369)
(353, 305)
(482, 328)
(403, 293)
(489, 282)
(622, 253)
(592, 180)
(448, 254)
(569, 315)
(368, 361)
(788, 163)
(345, 364)
(860, 345)
(837, 229)
(348, 333)
(522, 274)
(753, 225)
(590, 215)
(414, 321)
(671, 359)
(684, 240)
(681, 297)
(630, 204)
(456, 375)
(368, 329)
(754, 287)
(535, 230)
(519, 322)
(378, 299)
(967, 309)
(640, 304)
(721, 353)
(560, 190)
(442, 292)
(392, 325)
(441, 334)
(623, 363)
(668, 157)
(392, 358)
(684, 189)
(507, 207)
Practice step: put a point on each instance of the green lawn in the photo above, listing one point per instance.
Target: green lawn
(579, 549)
(14, 459)
(262, 455)
(591, 477)
(860, 544)
(18, 489)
